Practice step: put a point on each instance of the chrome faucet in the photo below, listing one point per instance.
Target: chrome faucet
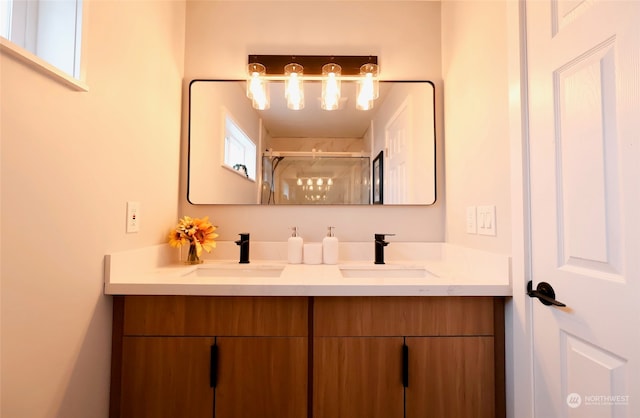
(380, 243)
(243, 242)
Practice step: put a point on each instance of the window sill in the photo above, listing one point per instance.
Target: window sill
(34, 62)
(239, 173)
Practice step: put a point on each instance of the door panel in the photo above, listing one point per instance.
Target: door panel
(588, 159)
(451, 377)
(584, 107)
(166, 377)
(396, 166)
(358, 377)
(261, 377)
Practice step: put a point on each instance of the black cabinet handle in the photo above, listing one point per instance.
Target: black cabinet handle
(405, 365)
(544, 292)
(213, 366)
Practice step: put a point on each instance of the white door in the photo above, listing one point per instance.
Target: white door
(584, 104)
(396, 163)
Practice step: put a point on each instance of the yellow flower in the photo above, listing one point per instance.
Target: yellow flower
(187, 226)
(176, 239)
(199, 232)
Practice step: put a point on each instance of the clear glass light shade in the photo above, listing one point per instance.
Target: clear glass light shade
(293, 90)
(257, 89)
(368, 88)
(331, 86)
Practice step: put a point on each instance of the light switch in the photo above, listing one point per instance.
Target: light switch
(471, 220)
(487, 220)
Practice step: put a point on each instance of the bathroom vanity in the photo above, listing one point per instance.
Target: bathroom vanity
(373, 342)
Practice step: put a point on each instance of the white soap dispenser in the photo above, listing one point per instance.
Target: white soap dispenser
(294, 247)
(330, 248)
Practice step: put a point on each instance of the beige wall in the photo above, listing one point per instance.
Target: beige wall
(70, 161)
(476, 114)
(404, 35)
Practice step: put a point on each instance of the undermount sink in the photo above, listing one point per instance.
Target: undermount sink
(237, 270)
(384, 271)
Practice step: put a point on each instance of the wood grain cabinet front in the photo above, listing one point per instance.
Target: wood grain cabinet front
(299, 357)
(408, 357)
(210, 357)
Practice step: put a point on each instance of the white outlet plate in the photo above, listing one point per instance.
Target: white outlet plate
(471, 220)
(486, 220)
(133, 217)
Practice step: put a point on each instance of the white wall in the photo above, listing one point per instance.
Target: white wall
(70, 161)
(476, 114)
(404, 35)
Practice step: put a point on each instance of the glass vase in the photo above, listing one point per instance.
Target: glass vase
(191, 256)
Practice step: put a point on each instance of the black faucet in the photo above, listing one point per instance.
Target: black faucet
(380, 243)
(243, 242)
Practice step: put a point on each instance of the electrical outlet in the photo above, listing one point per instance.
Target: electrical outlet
(487, 220)
(471, 220)
(133, 217)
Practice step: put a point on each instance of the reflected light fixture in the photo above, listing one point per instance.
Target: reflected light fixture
(257, 86)
(330, 70)
(293, 89)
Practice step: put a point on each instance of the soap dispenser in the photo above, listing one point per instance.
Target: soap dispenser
(330, 248)
(294, 247)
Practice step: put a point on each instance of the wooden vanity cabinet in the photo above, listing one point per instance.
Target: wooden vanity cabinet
(406, 357)
(220, 357)
(316, 357)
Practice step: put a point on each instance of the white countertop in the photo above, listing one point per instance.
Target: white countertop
(445, 270)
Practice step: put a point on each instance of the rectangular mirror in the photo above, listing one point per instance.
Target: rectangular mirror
(239, 155)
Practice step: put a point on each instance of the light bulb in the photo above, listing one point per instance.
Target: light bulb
(331, 86)
(256, 86)
(367, 88)
(293, 89)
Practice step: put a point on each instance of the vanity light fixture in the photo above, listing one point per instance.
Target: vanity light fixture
(330, 70)
(368, 88)
(257, 87)
(330, 86)
(293, 89)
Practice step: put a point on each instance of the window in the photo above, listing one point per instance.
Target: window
(239, 150)
(48, 29)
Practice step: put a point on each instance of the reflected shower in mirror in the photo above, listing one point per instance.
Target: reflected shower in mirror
(240, 155)
(299, 178)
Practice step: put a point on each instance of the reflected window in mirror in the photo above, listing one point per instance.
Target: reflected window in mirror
(239, 150)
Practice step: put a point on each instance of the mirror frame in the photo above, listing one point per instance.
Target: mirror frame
(370, 204)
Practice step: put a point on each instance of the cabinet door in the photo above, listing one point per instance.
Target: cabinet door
(166, 377)
(357, 377)
(451, 377)
(262, 377)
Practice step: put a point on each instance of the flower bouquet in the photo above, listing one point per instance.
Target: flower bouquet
(199, 234)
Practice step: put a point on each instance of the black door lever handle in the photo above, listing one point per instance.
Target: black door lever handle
(544, 292)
